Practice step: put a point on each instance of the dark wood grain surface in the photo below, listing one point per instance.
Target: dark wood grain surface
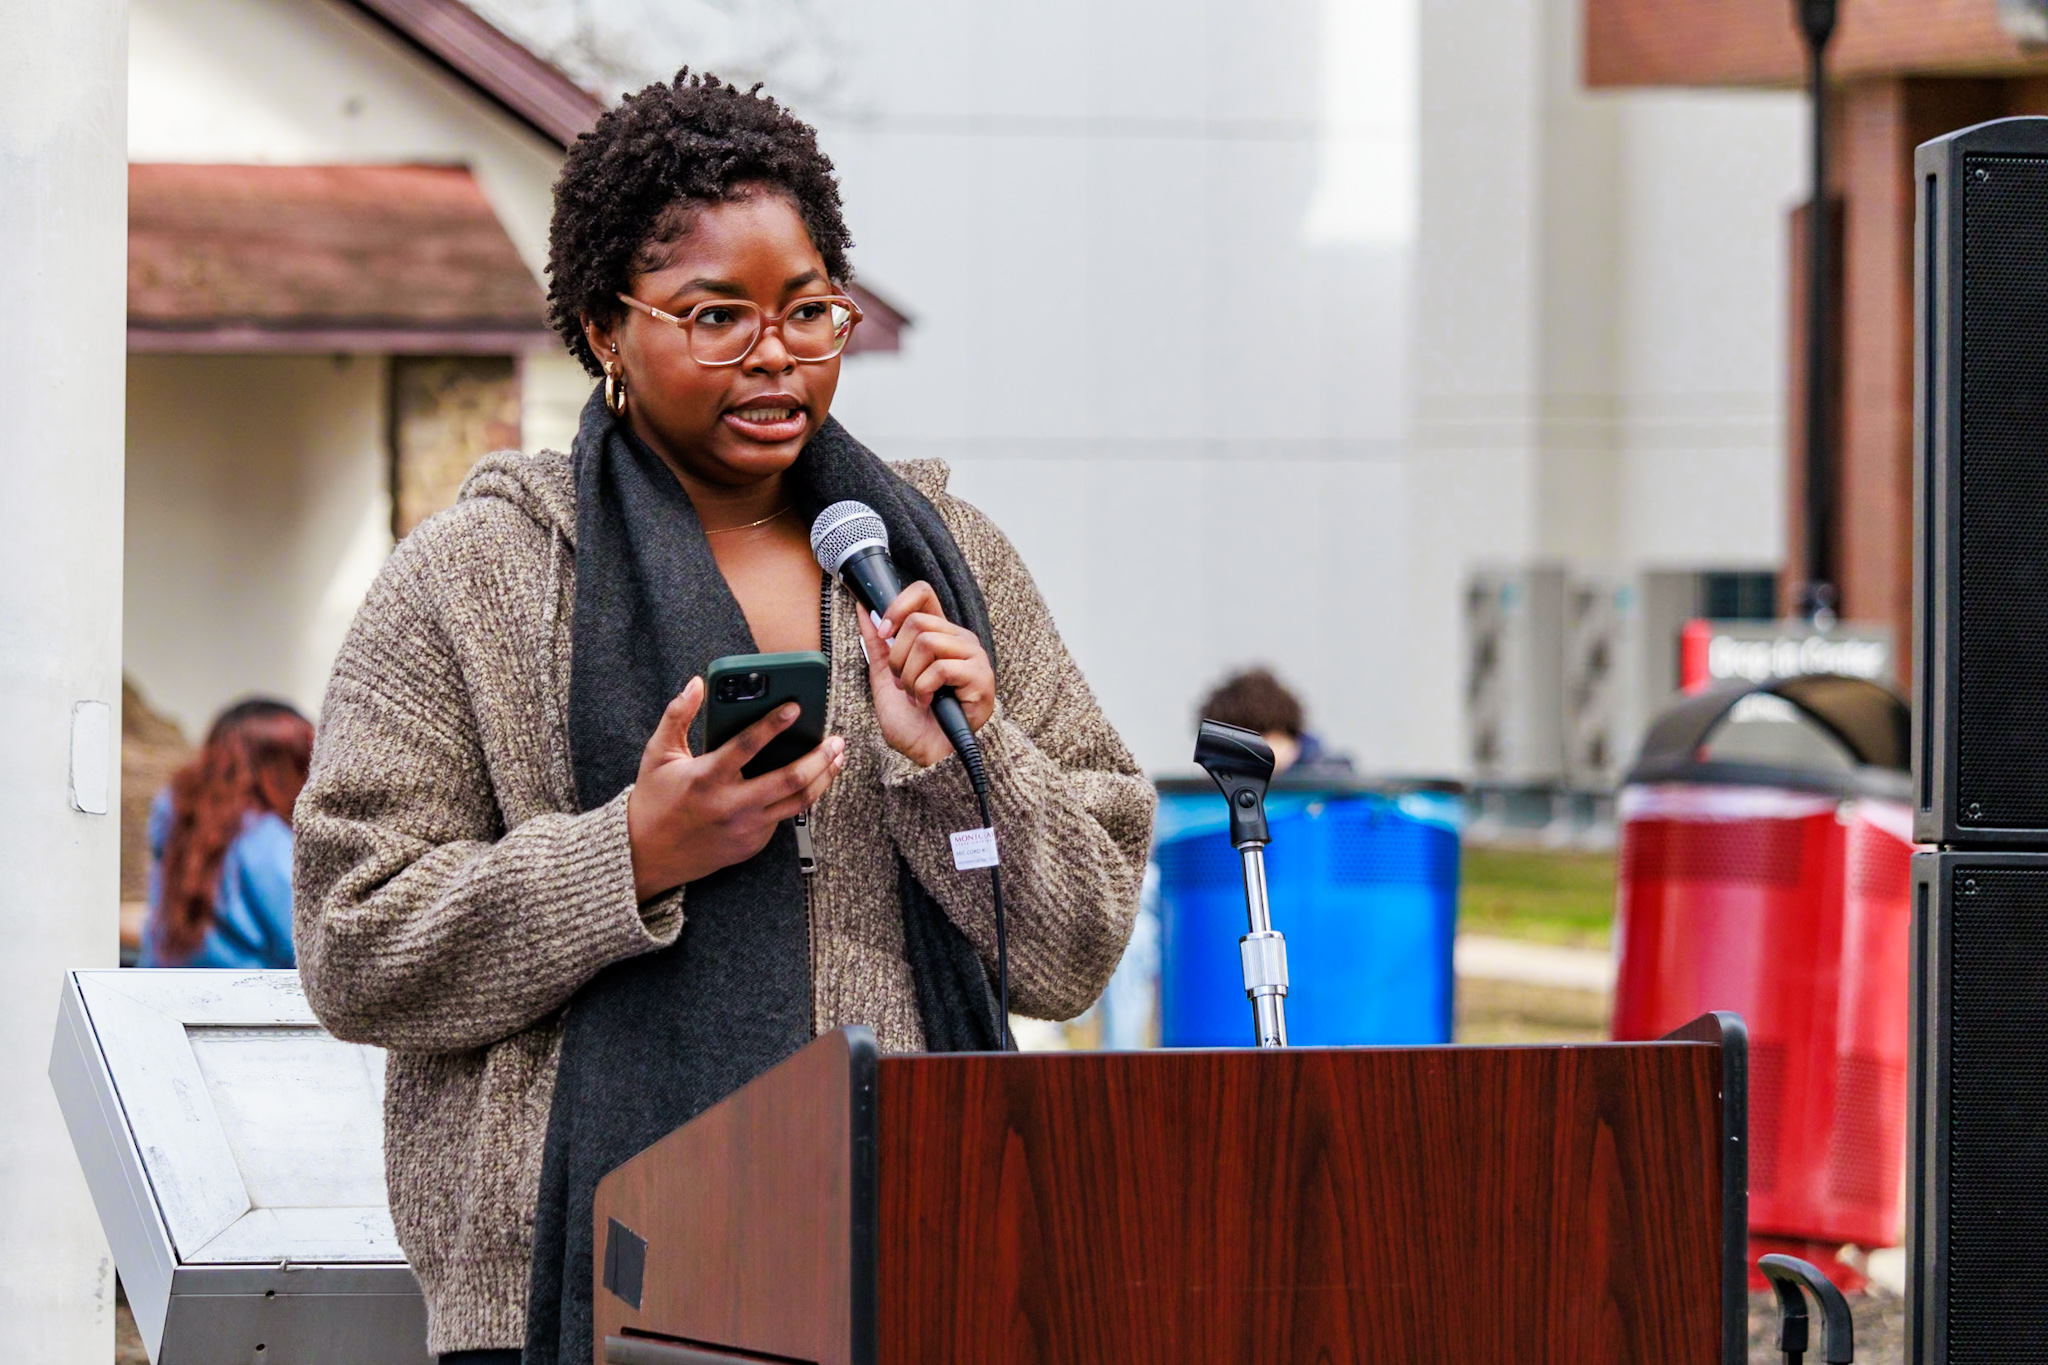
(1405, 1205)
(748, 1216)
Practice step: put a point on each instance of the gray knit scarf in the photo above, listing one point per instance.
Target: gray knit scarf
(653, 1041)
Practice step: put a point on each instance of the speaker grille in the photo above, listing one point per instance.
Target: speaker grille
(1998, 1116)
(2001, 686)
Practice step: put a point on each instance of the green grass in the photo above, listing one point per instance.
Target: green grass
(1565, 898)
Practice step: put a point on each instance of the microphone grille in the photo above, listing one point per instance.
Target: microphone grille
(843, 528)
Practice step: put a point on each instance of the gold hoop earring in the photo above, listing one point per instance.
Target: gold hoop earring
(614, 392)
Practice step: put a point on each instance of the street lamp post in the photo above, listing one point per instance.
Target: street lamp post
(1818, 600)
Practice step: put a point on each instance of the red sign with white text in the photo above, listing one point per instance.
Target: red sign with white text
(1712, 652)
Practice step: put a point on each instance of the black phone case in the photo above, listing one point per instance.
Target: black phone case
(798, 677)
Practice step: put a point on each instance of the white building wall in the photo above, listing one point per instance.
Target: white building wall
(1599, 344)
(1708, 181)
(1575, 353)
(1159, 259)
(259, 487)
(309, 82)
(1474, 467)
(261, 514)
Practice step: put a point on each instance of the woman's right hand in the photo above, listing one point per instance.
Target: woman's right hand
(689, 816)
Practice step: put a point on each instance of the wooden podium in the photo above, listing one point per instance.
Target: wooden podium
(1509, 1205)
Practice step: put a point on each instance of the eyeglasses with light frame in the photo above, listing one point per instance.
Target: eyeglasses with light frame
(726, 331)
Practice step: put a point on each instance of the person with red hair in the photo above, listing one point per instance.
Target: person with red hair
(220, 892)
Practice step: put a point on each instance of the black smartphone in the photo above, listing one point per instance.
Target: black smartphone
(742, 688)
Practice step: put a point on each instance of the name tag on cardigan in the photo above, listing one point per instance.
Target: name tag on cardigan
(974, 848)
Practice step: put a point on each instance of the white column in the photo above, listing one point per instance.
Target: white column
(63, 272)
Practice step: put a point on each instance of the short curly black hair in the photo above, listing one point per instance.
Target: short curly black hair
(627, 185)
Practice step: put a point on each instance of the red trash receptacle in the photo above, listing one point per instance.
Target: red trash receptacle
(1782, 892)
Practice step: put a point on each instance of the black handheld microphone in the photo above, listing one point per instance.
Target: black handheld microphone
(852, 544)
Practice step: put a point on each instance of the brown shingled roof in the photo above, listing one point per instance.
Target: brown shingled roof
(366, 258)
(329, 258)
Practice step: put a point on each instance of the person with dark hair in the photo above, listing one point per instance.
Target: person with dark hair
(220, 840)
(1256, 700)
(520, 872)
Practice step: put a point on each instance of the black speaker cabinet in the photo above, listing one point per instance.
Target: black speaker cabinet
(1980, 592)
(1977, 1166)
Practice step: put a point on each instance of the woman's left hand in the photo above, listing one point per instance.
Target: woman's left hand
(923, 653)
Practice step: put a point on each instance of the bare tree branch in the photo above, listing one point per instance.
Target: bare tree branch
(798, 48)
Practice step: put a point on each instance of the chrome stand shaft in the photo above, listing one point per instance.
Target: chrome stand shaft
(1264, 951)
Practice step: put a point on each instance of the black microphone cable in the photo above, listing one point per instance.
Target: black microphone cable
(969, 749)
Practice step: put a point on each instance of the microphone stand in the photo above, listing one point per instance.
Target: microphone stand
(1241, 763)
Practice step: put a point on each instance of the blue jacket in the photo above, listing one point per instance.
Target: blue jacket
(252, 907)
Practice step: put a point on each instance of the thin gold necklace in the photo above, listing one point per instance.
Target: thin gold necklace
(752, 524)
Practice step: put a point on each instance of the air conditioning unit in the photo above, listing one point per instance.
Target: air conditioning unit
(1514, 676)
(1603, 684)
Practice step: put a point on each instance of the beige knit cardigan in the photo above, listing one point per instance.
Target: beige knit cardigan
(450, 899)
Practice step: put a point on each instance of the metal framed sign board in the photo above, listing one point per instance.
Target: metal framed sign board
(235, 1153)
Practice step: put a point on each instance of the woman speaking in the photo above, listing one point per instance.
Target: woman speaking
(518, 867)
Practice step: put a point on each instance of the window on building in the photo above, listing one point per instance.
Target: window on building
(1745, 595)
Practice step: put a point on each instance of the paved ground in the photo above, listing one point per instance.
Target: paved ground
(1515, 992)
(1509, 959)
(127, 1340)
(1492, 1011)
(1880, 1329)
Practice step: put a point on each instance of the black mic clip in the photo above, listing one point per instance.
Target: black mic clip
(1241, 762)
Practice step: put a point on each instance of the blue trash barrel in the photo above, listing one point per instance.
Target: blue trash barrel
(1363, 883)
